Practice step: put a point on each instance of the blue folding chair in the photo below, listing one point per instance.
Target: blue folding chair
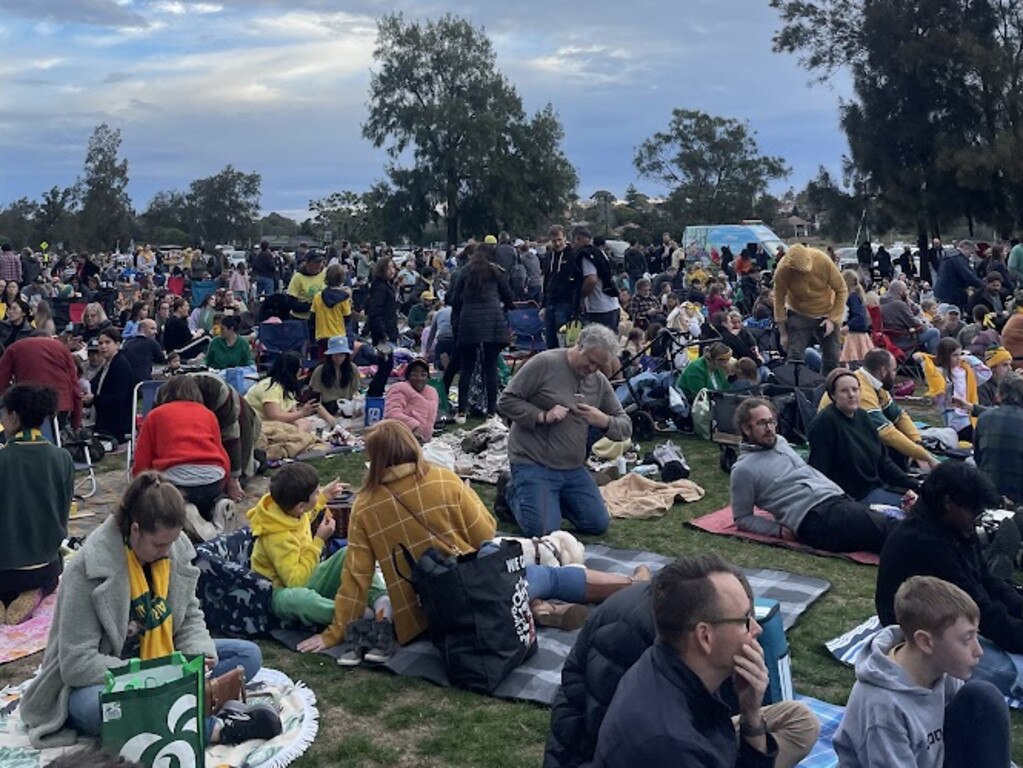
(142, 401)
(51, 433)
(526, 328)
(200, 290)
(275, 338)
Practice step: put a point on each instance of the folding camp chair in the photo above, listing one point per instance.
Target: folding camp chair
(75, 311)
(176, 285)
(275, 338)
(200, 290)
(526, 329)
(51, 432)
(142, 402)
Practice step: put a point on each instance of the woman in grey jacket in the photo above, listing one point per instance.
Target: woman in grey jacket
(98, 622)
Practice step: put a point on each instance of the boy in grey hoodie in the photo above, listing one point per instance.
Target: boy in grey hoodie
(910, 706)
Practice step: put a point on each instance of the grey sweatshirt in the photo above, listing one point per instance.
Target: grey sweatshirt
(547, 380)
(778, 481)
(890, 721)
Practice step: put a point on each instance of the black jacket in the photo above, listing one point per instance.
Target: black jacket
(382, 312)
(616, 634)
(664, 717)
(113, 396)
(176, 334)
(635, 263)
(922, 546)
(479, 317)
(562, 279)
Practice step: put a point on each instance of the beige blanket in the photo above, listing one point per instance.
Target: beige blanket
(286, 441)
(639, 498)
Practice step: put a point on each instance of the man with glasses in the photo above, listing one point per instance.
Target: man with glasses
(770, 475)
(671, 708)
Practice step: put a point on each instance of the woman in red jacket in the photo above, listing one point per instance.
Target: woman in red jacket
(181, 439)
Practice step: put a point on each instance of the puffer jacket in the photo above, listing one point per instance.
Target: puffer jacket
(615, 635)
(481, 316)
(382, 312)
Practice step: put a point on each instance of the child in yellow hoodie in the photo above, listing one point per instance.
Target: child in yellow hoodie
(287, 552)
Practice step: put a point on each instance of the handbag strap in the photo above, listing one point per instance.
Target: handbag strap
(422, 523)
(409, 561)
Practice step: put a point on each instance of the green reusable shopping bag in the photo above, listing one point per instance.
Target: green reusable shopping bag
(153, 712)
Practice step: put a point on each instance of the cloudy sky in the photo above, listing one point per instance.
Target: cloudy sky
(279, 86)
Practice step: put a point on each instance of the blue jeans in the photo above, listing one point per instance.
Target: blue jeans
(264, 285)
(549, 582)
(555, 316)
(929, 338)
(1002, 669)
(83, 710)
(539, 496)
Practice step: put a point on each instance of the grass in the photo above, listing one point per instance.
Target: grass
(370, 718)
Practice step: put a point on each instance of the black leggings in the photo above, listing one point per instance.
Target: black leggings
(17, 581)
(840, 524)
(377, 385)
(204, 497)
(469, 355)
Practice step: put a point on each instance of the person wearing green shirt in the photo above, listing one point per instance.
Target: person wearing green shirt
(229, 350)
(1015, 263)
(710, 371)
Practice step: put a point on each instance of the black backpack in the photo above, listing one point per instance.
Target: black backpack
(603, 266)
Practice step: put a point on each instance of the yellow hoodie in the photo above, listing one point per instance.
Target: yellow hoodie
(286, 552)
(808, 282)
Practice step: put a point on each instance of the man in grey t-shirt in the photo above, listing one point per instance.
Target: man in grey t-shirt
(552, 403)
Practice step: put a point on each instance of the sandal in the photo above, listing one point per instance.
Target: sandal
(558, 615)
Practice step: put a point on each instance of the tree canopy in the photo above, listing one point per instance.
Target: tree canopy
(711, 166)
(438, 100)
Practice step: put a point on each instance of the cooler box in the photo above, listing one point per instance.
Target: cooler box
(374, 410)
(776, 651)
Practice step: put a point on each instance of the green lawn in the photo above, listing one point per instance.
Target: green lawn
(370, 718)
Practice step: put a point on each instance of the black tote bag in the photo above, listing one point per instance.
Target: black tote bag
(477, 608)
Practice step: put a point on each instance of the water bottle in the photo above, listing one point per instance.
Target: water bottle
(620, 465)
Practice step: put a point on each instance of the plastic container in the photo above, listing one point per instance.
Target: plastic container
(374, 410)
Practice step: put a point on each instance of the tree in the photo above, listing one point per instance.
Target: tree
(711, 165)
(106, 217)
(277, 225)
(937, 123)
(224, 207)
(343, 214)
(16, 222)
(167, 216)
(438, 100)
(604, 210)
(55, 217)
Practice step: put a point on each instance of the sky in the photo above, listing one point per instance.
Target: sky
(279, 87)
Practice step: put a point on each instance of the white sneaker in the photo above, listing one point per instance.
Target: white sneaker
(196, 527)
(224, 514)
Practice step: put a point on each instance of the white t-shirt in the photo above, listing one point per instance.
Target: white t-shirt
(598, 301)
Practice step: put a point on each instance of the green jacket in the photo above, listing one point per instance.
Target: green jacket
(221, 356)
(696, 377)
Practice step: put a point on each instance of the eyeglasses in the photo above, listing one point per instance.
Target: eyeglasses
(744, 620)
(766, 423)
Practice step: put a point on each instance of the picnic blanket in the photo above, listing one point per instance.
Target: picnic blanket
(848, 646)
(295, 702)
(639, 498)
(539, 678)
(28, 637)
(830, 716)
(286, 441)
(721, 523)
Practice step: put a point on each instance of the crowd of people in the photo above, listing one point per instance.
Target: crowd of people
(872, 480)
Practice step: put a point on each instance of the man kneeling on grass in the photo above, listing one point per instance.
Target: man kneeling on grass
(910, 706)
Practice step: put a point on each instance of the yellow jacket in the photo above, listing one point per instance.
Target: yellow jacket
(286, 552)
(894, 426)
(808, 282)
(447, 515)
(938, 386)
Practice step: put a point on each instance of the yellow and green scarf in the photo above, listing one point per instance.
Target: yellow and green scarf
(149, 606)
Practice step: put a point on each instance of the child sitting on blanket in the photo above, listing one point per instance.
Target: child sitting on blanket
(910, 706)
(288, 553)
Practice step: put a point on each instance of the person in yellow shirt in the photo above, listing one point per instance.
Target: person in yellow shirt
(288, 553)
(331, 307)
(307, 281)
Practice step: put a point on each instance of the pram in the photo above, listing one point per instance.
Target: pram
(795, 391)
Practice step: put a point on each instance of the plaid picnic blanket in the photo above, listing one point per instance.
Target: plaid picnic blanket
(823, 753)
(539, 678)
(848, 646)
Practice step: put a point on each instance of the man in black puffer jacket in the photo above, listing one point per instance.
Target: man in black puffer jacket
(615, 635)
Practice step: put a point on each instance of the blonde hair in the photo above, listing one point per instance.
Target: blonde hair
(927, 603)
(388, 444)
(852, 280)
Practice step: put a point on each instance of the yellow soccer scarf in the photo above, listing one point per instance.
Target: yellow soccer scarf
(149, 606)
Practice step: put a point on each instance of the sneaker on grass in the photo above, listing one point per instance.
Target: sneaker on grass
(382, 642)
